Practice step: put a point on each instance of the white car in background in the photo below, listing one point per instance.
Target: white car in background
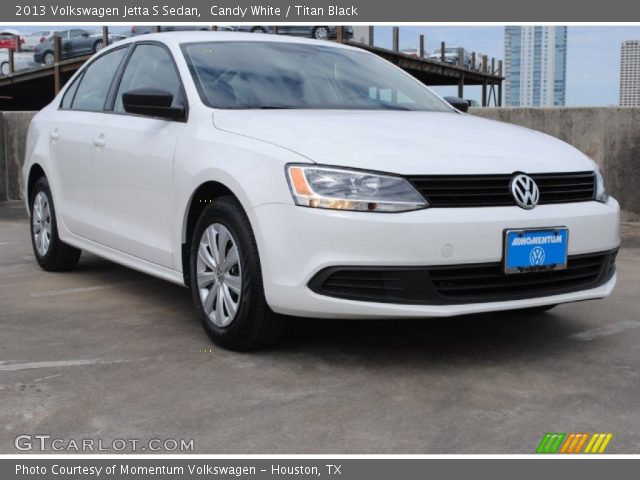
(283, 176)
(34, 38)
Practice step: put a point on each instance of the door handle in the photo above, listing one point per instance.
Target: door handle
(100, 140)
(54, 134)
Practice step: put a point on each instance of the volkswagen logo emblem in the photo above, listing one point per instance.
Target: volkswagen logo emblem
(536, 257)
(525, 191)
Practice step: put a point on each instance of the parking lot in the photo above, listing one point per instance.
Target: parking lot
(105, 352)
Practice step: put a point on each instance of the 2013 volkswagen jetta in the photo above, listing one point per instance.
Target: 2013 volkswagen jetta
(277, 176)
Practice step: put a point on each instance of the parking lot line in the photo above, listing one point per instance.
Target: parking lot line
(71, 291)
(12, 367)
(612, 329)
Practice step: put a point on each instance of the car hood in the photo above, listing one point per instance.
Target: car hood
(406, 143)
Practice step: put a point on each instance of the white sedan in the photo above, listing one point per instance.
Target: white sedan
(282, 176)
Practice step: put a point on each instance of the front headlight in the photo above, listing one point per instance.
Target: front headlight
(601, 191)
(359, 190)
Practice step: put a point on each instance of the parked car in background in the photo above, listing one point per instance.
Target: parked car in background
(10, 38)
(319, 32)
(21, 61)
(75, 43)
(451, 56)
(113, 37)
(144, 29)
(412, 52)
(35, 38)
(478, 65)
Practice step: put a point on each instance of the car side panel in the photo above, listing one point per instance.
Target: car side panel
(251, 169)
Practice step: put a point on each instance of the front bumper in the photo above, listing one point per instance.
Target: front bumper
(296, 243)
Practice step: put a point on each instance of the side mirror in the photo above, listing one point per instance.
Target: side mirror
(459, 103)
(151, 102)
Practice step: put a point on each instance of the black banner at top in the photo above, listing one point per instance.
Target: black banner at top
(317, 11)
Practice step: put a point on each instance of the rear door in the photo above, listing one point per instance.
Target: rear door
(80, 41)
(133, 163)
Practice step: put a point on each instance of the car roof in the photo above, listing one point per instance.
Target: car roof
(178, 38)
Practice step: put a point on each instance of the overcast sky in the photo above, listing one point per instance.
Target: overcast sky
(593, 56)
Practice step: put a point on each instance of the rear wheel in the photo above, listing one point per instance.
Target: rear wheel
(99, 45)
(51, 253)
(226, 280)
(4, 68)
(258, 30)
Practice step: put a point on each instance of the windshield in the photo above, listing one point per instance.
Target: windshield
(264, 75)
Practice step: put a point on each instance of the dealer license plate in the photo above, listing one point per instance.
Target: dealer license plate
(540, 249)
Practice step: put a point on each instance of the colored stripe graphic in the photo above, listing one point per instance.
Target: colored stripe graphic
(557, 442)
(550, 443)
(574, 443)
(598, 443)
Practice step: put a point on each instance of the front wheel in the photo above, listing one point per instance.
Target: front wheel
(226, 280)
(51, 253)
(321, 33)
(99, 45)
(49, 58)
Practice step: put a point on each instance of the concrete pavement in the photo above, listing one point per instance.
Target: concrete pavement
(107, 353)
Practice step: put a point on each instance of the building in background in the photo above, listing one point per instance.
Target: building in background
(535, 66)
(630, 74)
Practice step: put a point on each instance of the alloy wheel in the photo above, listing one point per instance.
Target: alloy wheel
(41, 218)
(321, 33)
(219, 276)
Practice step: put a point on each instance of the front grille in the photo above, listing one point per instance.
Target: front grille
(495, 190)
(458, 284)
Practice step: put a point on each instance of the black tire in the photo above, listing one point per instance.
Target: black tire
(4, 68)
(254, 325)
(99, 45)
(320, 33)
(59, 256)
(258, 30)
(49, 58)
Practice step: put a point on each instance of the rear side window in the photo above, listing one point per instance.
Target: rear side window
(92, 92)
(150, 66)
(69, 95)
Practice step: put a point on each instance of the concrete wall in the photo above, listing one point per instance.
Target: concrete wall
(609, 135)
(13, 133)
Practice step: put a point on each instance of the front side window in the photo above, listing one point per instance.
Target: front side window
(96, 80)
(150, 67)
(264, 75)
